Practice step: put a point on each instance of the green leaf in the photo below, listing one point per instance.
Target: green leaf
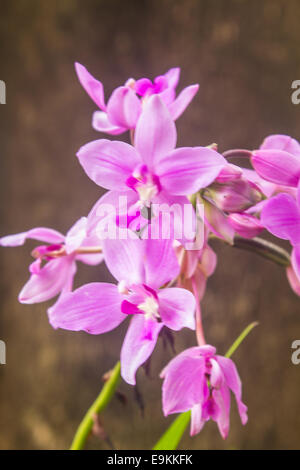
(171, 438)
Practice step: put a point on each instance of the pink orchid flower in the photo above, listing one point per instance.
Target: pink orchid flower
(278, 160)
(152, 171)
(142, 267)
(60, 254)
(281, 217)
(124, 107)
(200, 381)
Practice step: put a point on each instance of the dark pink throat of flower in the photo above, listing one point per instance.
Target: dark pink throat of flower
(141, 300)
(145, 183)
(145, 87)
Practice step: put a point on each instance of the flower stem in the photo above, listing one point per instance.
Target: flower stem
(199, 326)
(263, 248)
(240, 339)
(85, 250)
(237, 153)
(99, 405)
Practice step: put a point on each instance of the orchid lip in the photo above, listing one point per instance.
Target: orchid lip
(145, 183)
(44, 250)
(147, 303)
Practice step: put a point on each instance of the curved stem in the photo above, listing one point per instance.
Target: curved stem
(99, 404)
(263, 248)
(237, 153)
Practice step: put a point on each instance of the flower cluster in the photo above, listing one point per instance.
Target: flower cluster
(139, 229)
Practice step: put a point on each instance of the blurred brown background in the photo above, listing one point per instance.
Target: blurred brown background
(244, 54)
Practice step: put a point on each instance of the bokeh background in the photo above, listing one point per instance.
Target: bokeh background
(245, 55)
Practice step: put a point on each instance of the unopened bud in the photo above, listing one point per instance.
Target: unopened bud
(234, 196)
(245, 225)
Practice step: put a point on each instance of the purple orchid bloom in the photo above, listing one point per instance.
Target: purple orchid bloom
(141, 267)
(245, 225)
(60, 254)
(281, 217)
(278, 160)
(125, 104)
(153, 172)
(200, 381)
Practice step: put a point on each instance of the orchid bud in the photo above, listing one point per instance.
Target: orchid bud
(234, 196)
(245, 225)
(228, 173)
(218, 222)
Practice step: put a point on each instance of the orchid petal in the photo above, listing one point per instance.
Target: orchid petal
(93, 87)
(94, 308)
(101, 123)
(293, 279)
(49, 281)
(139, 343)
(177, 308)
(281, 142)
(123, 108)
(107, 163)
(218, 222)
(92, 259)
(186, 170)
(295, 260)
(281, 216)
(234, 383)
(245, 225)
(197, 422)
(155, 133)
(161, 265)
(182, 101)
(40, 233)
(222, 400)
(76, 235)
(177, 215)
(125, 259)
(277, 166)
(183, 384)
(114, 208)
(172, 76)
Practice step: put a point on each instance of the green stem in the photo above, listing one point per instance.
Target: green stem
(240, 339)
(99, 405)
(262, 248)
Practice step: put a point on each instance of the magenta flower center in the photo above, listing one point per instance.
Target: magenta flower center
(145, 183)
(140, 300)
(145, 87)
(45, 251)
